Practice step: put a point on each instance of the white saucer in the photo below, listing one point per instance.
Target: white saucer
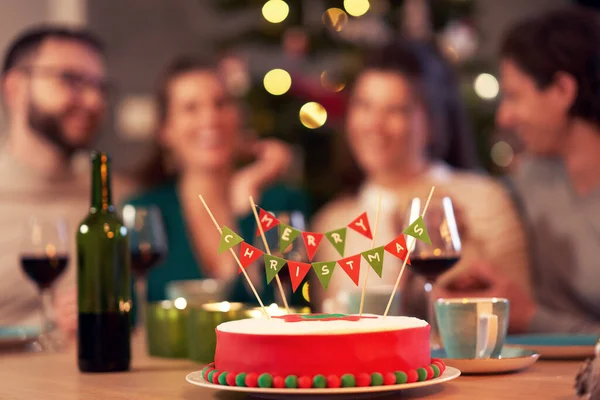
(511, 359)
(195, 378)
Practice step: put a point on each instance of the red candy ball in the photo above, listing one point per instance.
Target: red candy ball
(389, 378)
(440, 365)
(429, 372)
(231, 379)
(205, 376)
(252, 380)
(305, 382)
(412, 376)
(363, 380)
(334, 381)
(215, 377)
(278, 382)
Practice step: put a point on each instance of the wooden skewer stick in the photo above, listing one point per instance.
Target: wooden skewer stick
(389, 304)
(262, 234)
(236, 258)
(362, 296)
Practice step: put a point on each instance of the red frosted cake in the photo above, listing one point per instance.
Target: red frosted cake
(318, 351)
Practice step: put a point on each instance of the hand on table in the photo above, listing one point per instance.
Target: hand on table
(480, 280)
(272, 158)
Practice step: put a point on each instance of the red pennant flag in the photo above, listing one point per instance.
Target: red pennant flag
(361, 225)
(351, 265)
(267, 221)
(248, 254)
(398, 248)
(311, 241)
(298, 271)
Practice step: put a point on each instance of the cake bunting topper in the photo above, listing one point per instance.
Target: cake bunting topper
(298, 271)
(324, 271)
(351, 266)
(414, 229)
(312, 241)
(337, 238)
(287, 235)
(266, 221)
(375, 259)
(212, 217)
(269, 266)
(249, 254)
(229, 239)
(361, 225)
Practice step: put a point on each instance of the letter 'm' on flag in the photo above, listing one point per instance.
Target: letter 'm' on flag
(272, 266)
(337, 238)
(375, 259)
(351, 266)
(267, 221)
(248, 254)
(418, 230)
(361, 225)
(298, 271)
(228, 239)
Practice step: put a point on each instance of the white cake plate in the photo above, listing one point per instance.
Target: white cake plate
(195, 378)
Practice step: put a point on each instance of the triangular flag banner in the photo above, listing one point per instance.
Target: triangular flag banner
(324, 271)
(273, 265)
(228, 239)
(337, 239)
(398, 248)
(248, 254)
(351, 265)
(287, 234)
(267, 221)
(311, 241)
(375, 259)
(298, 271)
(361, 225)
(417, 230)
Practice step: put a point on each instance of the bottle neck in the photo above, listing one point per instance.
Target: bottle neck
(101, 193)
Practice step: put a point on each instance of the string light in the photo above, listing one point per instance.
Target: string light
(313, 115)
(275, 11)
(502, 154)
(330, 82)
(356, 8)
(277, 81)
(335, 19)
(486, 86)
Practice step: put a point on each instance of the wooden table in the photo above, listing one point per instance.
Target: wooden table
(55, 376)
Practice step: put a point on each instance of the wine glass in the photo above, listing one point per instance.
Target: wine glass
(296, 251)
(431, 260)
(44, 257)
(147, 246)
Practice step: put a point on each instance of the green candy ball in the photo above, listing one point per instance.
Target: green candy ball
(210, 375)
(376, 379)
(400, 377)
(223, 378)
(436, 370)
(240, 379)
(319, 381)
(291, 381)
(422, 374)
(265, 380)
(348, 380)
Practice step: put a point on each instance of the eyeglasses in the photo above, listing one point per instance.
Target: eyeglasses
(75, 81)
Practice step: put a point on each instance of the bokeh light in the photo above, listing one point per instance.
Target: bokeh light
(331, 82)
(335, 19)
(486, 86)
(306, 292)
(277, 81)
(502, 154)
(313, 115)
(275, 11)
(356, 8)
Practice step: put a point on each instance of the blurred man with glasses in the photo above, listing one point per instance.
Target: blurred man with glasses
(54, 94)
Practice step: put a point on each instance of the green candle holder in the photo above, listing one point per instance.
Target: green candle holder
(166, 328)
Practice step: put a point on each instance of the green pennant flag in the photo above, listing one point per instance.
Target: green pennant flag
(375, 259)
(287, 234)
(418, 230)
(228, 239)
(273, 265)
(324, 271)
(337, 239)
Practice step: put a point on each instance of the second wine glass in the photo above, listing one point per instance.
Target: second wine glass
(431, 260)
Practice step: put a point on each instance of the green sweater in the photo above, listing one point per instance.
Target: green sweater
(181, 262)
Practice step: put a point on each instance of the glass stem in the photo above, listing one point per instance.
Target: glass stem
(140, 291)
(434, 340)
(47, 339)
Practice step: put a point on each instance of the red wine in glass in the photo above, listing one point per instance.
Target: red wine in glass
(432, 268)
(142, 261)
(44, 269)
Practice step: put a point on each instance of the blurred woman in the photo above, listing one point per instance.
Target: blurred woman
(199, 148)
(404, 127)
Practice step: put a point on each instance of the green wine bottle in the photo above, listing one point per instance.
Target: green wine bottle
(103, 275)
